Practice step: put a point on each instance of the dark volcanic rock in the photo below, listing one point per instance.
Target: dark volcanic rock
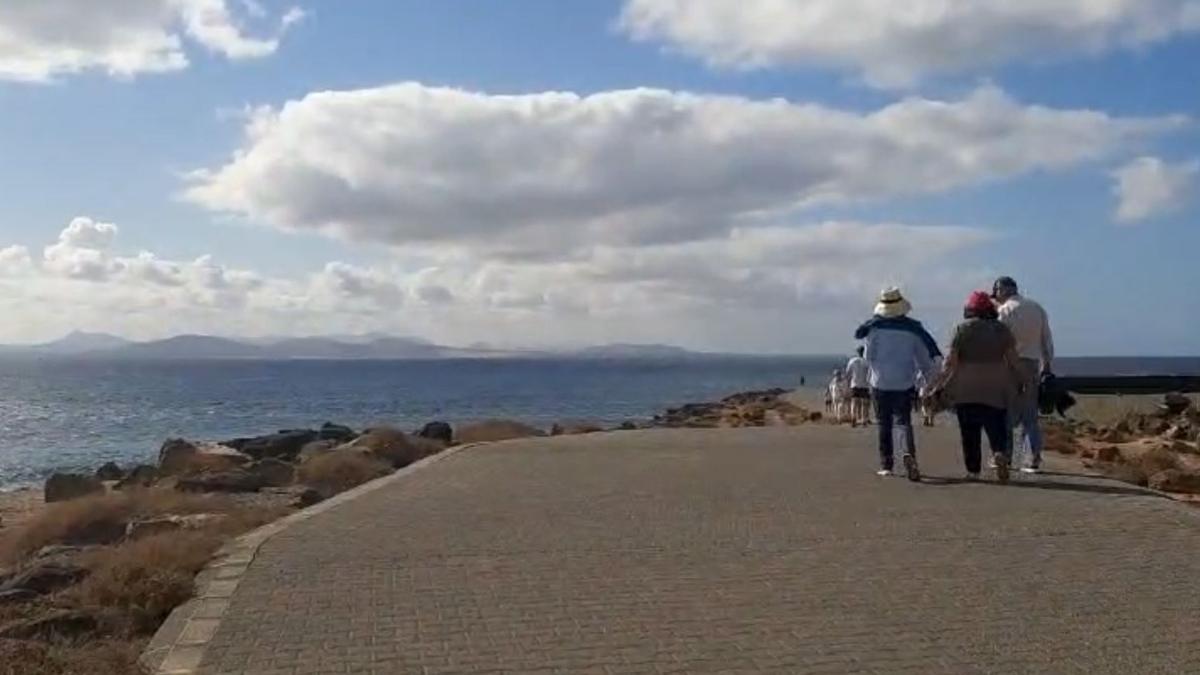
(239, 480)
(283, 445)
(438, 431)
(336, 432)
(110, 471)
(46, 578)
(142, 475)
(61, 487)
(55, 623)
(273, 472)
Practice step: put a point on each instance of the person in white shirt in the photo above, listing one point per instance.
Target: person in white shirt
(859, 373)
(837, 396)
(1030, 325)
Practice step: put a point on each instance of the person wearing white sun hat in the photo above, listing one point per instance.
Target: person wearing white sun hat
(897, 349)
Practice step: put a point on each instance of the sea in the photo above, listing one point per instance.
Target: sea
(62, 414)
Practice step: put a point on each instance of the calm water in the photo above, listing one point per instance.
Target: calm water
(64, 415)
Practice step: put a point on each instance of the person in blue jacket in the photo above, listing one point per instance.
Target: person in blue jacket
(897, 349)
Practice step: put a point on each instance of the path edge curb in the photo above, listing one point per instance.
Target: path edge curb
(178, 646)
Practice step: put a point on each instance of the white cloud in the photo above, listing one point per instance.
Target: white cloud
(713, 293)
(1148, 187)
(42, 39)
(551, 174)
(895, 43)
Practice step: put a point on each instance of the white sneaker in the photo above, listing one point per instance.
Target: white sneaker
(884, 473)
(972, 476)
(1031, 469)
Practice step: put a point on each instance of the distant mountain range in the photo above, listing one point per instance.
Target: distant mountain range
(371, 346)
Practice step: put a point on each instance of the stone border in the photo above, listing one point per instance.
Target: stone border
(178, 646)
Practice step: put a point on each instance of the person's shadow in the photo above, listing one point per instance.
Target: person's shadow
(1039, 482)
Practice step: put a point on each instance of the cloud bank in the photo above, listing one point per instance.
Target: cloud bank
(549, 175)
(898, 44)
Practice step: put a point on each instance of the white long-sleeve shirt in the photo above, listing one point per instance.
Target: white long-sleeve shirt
(1031, 326)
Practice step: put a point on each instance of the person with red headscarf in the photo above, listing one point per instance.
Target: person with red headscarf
(982, 380)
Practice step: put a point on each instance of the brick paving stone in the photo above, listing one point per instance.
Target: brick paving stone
(762, 550)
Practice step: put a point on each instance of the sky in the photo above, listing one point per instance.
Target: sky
(729, 175)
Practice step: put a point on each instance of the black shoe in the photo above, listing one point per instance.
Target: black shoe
(911, 469)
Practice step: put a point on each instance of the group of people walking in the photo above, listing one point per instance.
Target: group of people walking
(990, 378)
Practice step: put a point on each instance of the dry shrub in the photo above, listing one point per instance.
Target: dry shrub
(144, 580)
(65, 522)
(339, 471)
(1155, 460)
(495, 430)
(92, 658)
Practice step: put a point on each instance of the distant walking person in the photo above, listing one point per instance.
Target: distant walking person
(898, 348)
(982, 378)
(1030, 326)
(835, 396)
(859, 374)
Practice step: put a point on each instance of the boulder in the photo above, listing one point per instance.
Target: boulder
(55, 623)
(237, 480)
(336, 432)
(1109, 453)
(45, 577)
(141, 476)
(316, 449)
(178, 456)
(140, 529)
(496, 430)
(389, 445)
(1176, 480)
(110, 471)
(438, 431)
(297, 496)
(575, 428)
(61, 487)
(628, 426)
(1175, 404)
(273, 472)
(282, 445)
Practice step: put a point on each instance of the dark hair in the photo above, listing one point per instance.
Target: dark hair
(861, 350)
(974, 313)
(1005, 283)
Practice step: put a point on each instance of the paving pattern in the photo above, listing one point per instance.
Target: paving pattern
(763, 550)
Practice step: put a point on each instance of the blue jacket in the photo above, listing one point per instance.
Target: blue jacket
(897, 349)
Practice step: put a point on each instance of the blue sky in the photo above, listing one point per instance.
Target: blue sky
(329, 227)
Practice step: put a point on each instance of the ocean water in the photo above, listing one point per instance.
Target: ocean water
(62, 414)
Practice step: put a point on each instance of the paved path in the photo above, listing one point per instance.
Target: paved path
(769, 550)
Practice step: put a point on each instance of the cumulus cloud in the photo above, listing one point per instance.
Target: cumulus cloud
(549, 174)
(42, 39)
(898, 43)
(1147, 187)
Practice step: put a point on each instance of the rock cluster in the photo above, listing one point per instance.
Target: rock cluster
(749, 409)
(1160, 449)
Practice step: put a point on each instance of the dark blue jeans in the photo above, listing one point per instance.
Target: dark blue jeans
(894, 408)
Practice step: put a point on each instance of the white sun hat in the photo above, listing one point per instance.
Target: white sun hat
(892, 303)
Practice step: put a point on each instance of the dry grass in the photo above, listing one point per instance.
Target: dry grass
(1108, 410)
(73, 521)
(339, 471)
(94, 658)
